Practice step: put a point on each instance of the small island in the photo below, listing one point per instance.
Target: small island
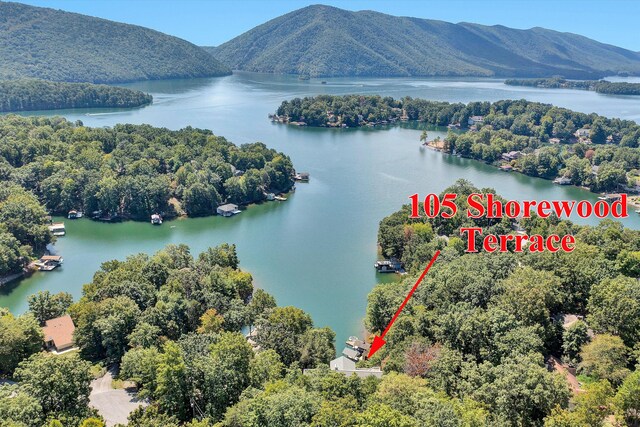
(33, 95)
(599, 86)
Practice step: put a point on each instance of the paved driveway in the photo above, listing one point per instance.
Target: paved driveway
(114, 405)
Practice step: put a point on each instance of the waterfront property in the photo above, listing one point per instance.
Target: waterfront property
(58, 334)
(228, 210)
(302, 176)
(156, 219)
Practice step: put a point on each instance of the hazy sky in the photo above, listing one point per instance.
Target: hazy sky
(211, 22)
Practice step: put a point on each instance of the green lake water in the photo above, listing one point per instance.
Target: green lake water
(316, 250)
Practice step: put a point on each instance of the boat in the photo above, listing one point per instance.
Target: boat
(302, 176)
(156, 219)
(280, 198)
(74, 214)
(57, 229)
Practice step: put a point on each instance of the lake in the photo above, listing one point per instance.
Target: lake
(316, 250)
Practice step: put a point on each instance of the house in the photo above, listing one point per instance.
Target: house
(271, 196)
(58, 334)
(351, 354)
(347, 366)
(582, 133)
(227, 210)
(511, 155)
(554, 141)
(475, 120)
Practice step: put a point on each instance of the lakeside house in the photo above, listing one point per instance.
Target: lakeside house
(475, 120)
(511, 155)
(228, 210)
(554, 141)
(346, 366)
(58, 334)
(582, 133)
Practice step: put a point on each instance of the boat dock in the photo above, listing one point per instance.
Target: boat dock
(48, 262)
(57, 229)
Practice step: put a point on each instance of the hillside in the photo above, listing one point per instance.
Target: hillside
(31, 94)
(327, 41)
(61, 46)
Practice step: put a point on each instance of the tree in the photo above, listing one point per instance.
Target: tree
(172, 392)
(210, 322)
(260, 304)
(382, 415)
(605, 357)
(92, 422)
(265, 367)
(61, 384)
(141, 366)
(227, 373)
(19, 338)
(282, 331)
(573, 338)
(317, 347)
(19, 407)
(45, 306)
(627, 400)
(614, 308)
(419, 358)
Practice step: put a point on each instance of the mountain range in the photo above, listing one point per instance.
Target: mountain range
(327, 41)
(50, 44)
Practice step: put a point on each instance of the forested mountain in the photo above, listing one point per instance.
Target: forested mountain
(327, 41)
(33, 94)
(61, 46)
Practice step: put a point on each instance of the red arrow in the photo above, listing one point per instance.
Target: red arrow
(378, 341)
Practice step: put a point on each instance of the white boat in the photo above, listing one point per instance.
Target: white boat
(156, 219)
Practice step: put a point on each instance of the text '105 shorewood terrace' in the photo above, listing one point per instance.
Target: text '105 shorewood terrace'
(489, 206)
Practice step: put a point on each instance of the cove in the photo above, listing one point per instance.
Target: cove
(316, 250)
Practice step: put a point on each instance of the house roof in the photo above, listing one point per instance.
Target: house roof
(342, 363)
(51, 258)
(60, 331)
(350, 353)
(229, 207)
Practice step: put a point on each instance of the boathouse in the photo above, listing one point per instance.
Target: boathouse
(228, 210)
(58, 334)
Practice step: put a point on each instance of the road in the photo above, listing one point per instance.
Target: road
(114, 405)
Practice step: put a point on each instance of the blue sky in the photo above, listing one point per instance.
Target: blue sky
(211, 22)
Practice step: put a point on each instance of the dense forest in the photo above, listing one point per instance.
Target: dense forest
(322, 40)
(600, 86)
(593, 151)
(481, 326)
(128, 172)
(474, 346)
(37, 43)
(31, 94)
(23, 227)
